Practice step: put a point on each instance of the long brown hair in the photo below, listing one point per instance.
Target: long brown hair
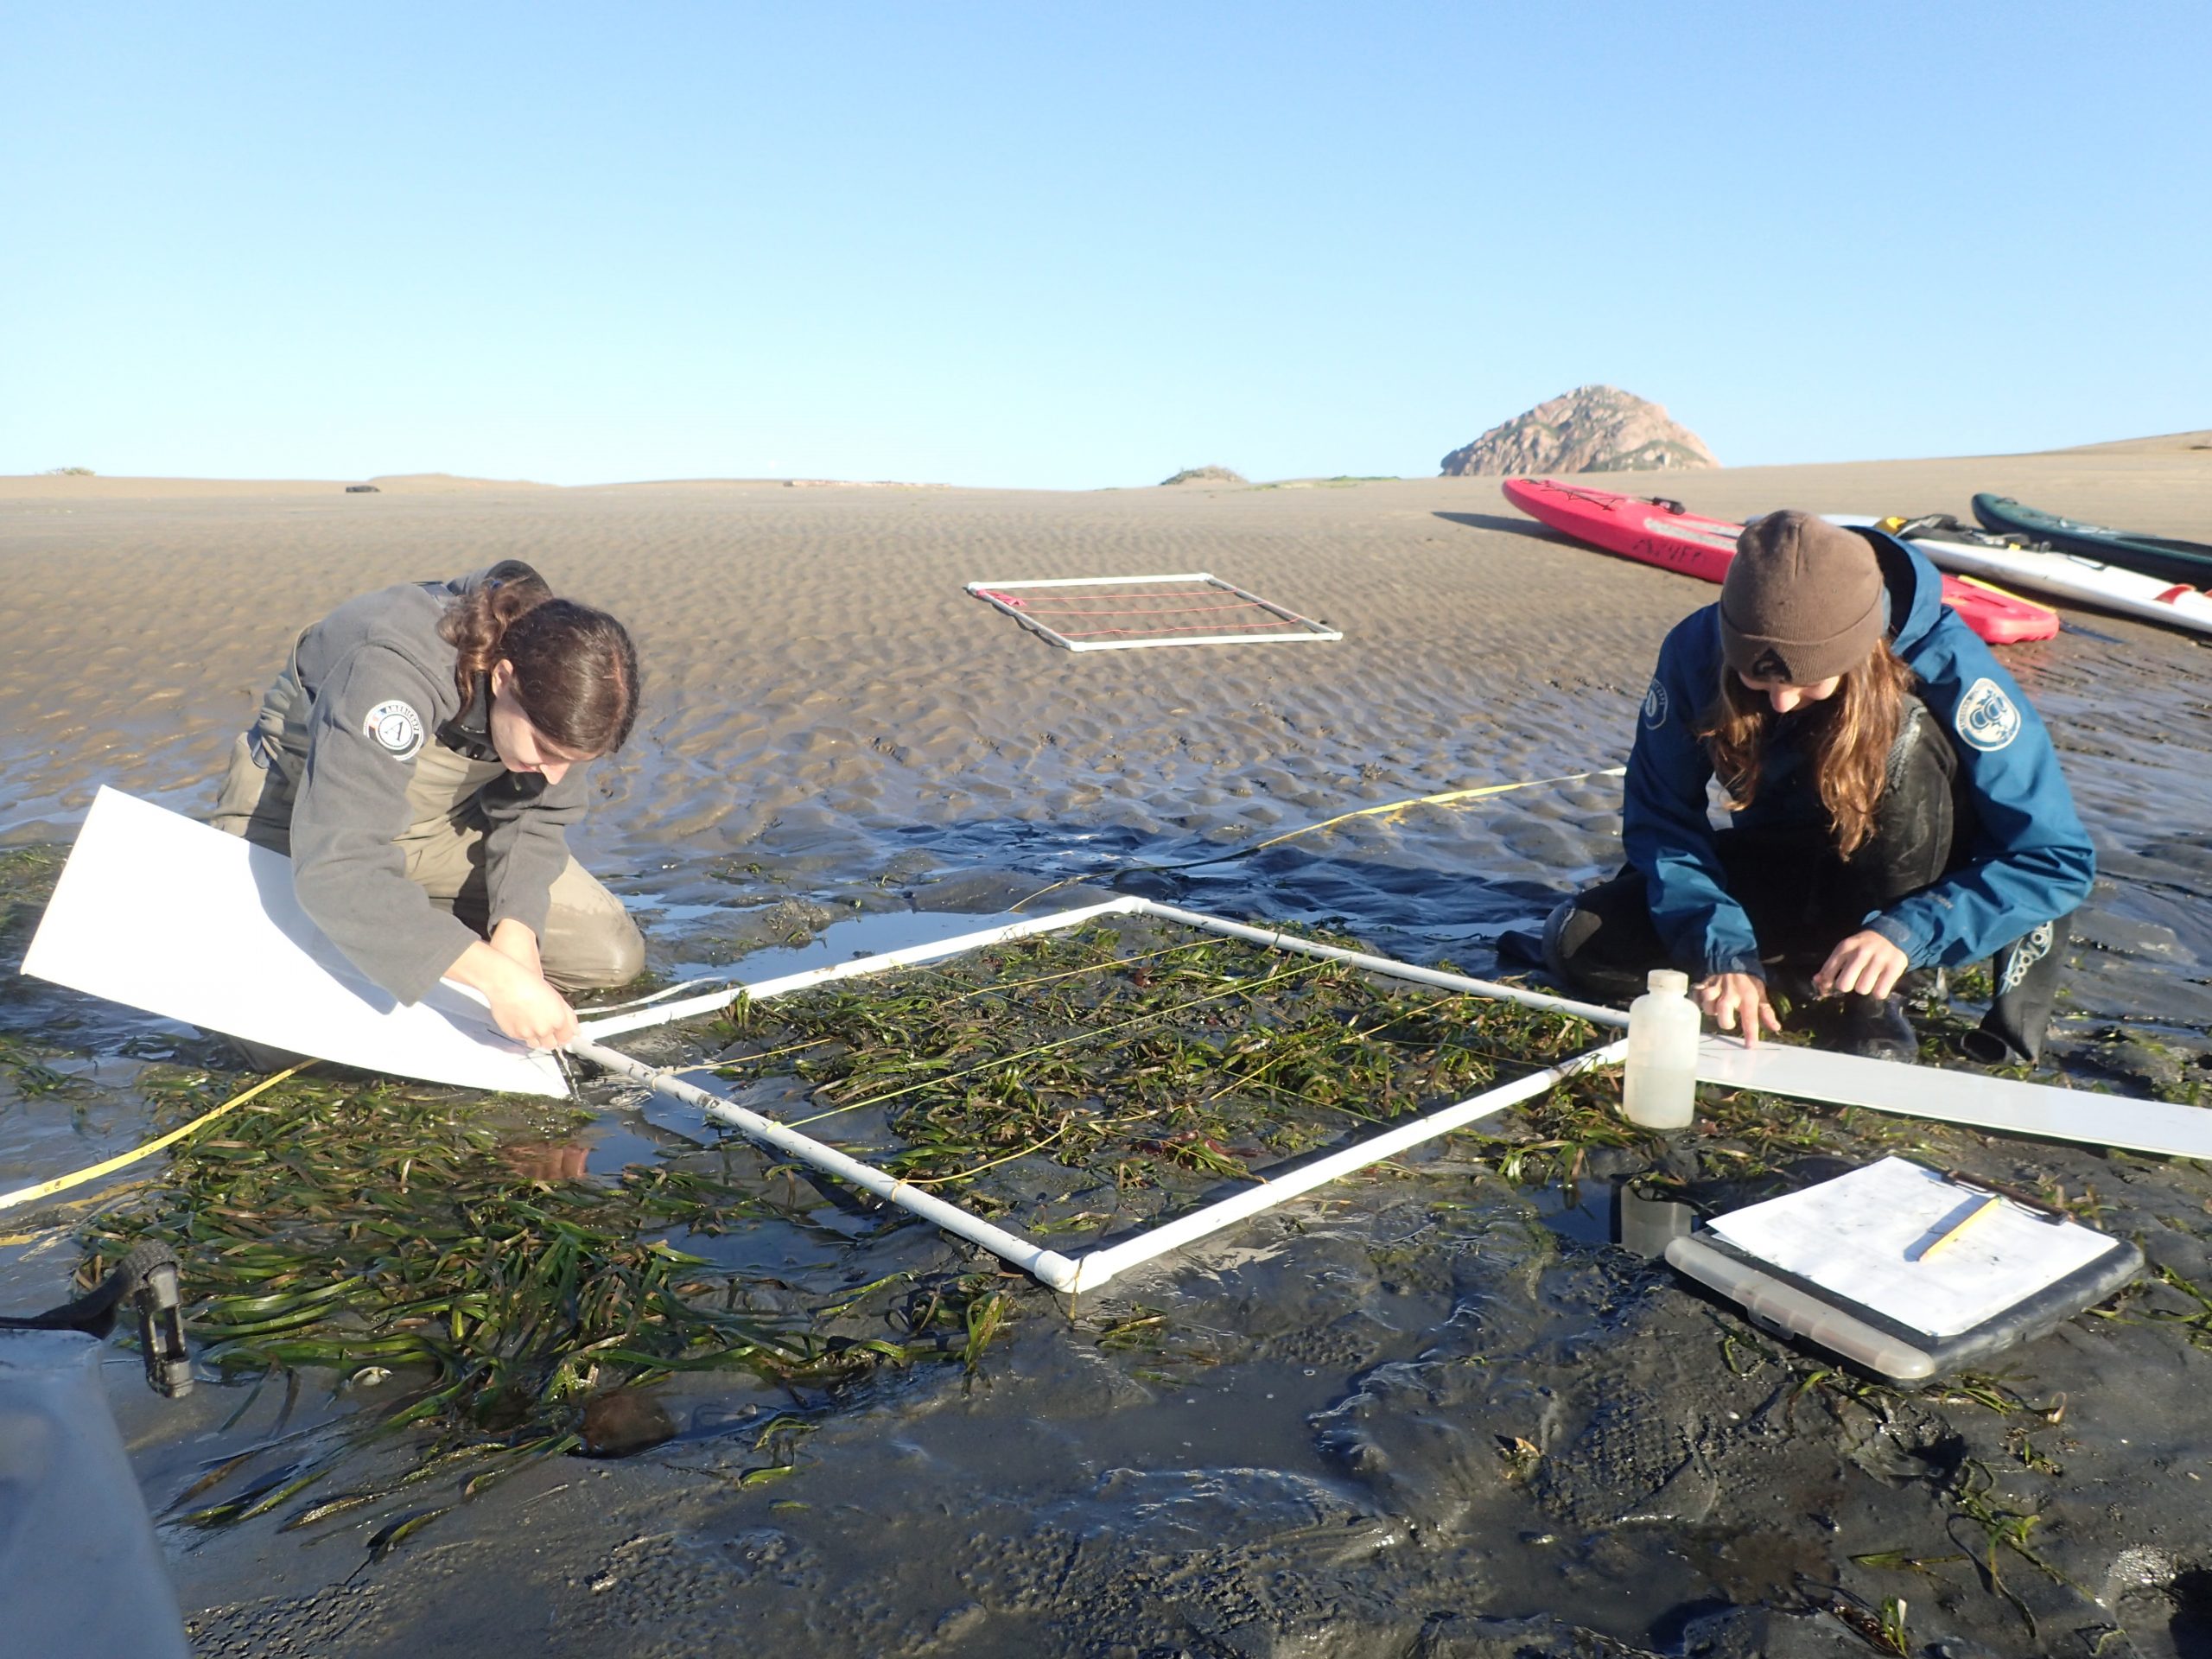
(575, 669)
(1848, 741)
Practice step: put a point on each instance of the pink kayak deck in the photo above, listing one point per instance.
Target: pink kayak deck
(1657, 531)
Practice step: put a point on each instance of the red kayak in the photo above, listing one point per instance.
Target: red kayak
(1659, 531)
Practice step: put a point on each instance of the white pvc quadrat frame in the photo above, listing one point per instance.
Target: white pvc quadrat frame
(1996, 1105)
(1092, 1269)
(988, 592)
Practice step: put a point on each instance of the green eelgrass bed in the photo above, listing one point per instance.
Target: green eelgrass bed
(446, 1259)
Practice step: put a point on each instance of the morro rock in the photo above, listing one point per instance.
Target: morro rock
(1590, 430)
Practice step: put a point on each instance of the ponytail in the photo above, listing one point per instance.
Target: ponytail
(576, 669)
(476, 624)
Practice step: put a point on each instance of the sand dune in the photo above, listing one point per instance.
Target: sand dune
(2166, 443)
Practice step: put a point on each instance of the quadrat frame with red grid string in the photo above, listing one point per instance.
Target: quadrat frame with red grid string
(1193, 607)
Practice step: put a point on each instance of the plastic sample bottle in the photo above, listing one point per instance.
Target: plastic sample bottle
(1660, 1091)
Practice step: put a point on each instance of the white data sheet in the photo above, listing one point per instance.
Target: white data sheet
(163, 914)
(1862, 1237)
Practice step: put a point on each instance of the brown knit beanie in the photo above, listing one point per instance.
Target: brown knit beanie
(1802, 601)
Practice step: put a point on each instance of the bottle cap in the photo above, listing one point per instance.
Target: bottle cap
(1669, 981)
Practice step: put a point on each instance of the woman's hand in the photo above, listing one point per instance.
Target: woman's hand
(533, 1013)
(1730, 999)
(1867, 963)
(523, 1005)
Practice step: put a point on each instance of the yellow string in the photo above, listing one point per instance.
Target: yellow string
(1445, 799)
(742, 1059)
(63, 1183)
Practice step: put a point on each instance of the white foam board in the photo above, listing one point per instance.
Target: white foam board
(172, 916)
(1969, 1097)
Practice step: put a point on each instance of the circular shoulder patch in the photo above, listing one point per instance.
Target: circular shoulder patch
(1654, 706)
(396, 728)
(1986, 718)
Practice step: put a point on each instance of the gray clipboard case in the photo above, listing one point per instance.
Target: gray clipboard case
(1782, 1303)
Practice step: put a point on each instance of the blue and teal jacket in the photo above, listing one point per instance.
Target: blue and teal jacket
(2029, 859)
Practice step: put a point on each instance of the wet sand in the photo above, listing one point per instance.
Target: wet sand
(832, 723)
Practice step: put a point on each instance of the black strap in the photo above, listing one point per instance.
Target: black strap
(146, 1278)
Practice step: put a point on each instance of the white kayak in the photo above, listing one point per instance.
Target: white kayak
(2063, 576)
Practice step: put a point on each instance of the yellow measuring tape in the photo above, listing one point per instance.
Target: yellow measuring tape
(1446, 798)
(63, 1183)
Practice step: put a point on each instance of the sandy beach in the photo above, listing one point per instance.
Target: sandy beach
(833, 726)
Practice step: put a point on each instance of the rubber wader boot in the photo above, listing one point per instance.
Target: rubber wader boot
(1569, 932)
(2025, 977)
(1875, 1028)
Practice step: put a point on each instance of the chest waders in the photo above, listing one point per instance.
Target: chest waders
(269, 758)
(589, 942)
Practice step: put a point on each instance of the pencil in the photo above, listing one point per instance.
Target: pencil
(1964, 1226)
(2026, 1202)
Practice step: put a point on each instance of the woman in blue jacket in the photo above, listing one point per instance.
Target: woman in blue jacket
(1893, 803)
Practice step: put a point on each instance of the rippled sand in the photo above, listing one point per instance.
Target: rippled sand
(820, 685)
(814, 661)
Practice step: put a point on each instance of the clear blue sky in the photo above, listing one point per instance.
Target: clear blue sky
(1054, 245)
